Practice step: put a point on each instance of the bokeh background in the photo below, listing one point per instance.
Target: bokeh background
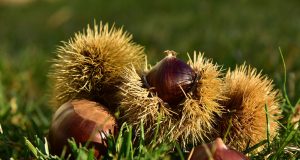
(230, 32)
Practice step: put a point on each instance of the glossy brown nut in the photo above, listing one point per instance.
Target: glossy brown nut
(169, 78)
(216, 150)
(85, 121)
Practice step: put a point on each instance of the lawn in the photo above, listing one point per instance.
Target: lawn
(229, 32)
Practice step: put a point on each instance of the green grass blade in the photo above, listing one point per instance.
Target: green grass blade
(90, 154)
(31, 147)
(285, 142)
(129, 149)
(157, 129)
(142, 138)
(268, 127)
(120, 138)
(179, 151)
(228, 130)
(249, 150)
(284, 78)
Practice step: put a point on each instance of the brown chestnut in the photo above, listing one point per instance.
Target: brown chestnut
(170, 79)
(216, 150)
(86, 121)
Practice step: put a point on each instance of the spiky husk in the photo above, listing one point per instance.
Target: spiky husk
(248, 92)
(91, 64)
(191, 122)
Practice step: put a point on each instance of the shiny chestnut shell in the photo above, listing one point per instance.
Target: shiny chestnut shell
(170, 78)
(85, 121)
(216, 150)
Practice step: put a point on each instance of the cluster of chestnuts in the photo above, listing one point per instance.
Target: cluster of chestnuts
(100, 72)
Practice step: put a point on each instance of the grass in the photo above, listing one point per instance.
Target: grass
(120, 147)
(230, 32)
(285, 146)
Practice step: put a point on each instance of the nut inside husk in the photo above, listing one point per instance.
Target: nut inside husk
(191, 121)
(170, 79)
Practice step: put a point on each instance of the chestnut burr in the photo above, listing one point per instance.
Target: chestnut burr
(89, 65)
(184, 97)
(251, 96)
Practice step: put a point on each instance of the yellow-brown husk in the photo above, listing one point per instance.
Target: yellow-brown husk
(91, 63)
(191, 122)
(245, 120)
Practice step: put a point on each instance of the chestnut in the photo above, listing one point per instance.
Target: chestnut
(171, 78)
(249, 95)
(184, 97)
(216, 150)
(86, 121)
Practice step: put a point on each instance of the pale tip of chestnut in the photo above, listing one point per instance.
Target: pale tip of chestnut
(170, 53)
(219, 142)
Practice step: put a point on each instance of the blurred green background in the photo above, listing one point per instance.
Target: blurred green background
(230, 32)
